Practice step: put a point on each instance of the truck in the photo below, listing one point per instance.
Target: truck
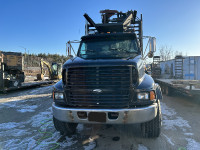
(11, 70)
(106, 83)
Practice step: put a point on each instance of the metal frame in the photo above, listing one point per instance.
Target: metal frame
(70, 48)
(156, 71)
(124, 22)
(179, 67)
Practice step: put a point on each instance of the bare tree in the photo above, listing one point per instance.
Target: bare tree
(178, 53)
(166, 53)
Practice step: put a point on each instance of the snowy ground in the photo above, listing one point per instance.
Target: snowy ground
(26, 123)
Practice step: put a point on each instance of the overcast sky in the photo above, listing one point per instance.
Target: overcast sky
(46, 25)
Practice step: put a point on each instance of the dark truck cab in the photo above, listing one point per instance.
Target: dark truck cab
(106, 83)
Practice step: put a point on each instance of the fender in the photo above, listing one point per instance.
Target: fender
(58, 86)
(158, 92)
(146, 84)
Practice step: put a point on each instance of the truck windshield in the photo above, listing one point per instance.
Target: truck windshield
(103, 49)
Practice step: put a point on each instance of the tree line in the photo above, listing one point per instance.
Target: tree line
(167, 53)
(33, 60)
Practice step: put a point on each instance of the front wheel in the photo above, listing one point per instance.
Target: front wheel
(64, 127)
(152, 129)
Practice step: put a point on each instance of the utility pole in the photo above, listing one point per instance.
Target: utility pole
(24, 55)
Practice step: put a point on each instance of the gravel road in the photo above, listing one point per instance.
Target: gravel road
(26, 123)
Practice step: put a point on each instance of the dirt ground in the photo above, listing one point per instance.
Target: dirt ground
(26, 123)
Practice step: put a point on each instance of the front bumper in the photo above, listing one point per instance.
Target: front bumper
(126, 116)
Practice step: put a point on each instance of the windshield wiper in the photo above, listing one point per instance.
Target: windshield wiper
(120, 49)
(123, 50)
(90, 50)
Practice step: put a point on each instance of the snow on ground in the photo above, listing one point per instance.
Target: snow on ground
(24, 97)
(171, 122)
(168, 139)
(41, 90)
(41, 134)
(90, 146)
(192, 144)
(20, 107)
(15, 133)
(69, 142)
(142, 147)
(80, 127)
(27, 108)
(178, 122)
(20, 102)
(170, 119)
(9, 125)
(189, 134)
(33, 136)
(166, 111)
(41, 118)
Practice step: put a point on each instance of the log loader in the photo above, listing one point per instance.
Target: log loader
(106, 82)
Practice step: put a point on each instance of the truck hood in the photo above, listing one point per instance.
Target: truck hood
(77, 61)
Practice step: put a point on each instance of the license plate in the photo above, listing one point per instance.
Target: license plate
(97, 116)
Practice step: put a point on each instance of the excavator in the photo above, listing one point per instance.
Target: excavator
(55, 70)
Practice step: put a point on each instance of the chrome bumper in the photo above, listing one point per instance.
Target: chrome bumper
(126, 116)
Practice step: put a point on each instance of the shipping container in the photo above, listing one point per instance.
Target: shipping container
(191, 68)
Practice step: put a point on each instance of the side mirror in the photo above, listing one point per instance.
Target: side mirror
(152, 46)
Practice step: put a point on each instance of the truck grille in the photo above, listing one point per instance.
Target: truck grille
(99, 86)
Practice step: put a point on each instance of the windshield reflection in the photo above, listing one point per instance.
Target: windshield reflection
(94, 49)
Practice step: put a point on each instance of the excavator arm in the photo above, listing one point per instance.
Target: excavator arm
(42, 63)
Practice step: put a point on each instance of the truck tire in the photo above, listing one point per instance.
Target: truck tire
(63, 127)
(152, 129)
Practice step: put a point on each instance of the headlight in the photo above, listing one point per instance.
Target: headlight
(58, 95)
(143, 95)
(146, 95)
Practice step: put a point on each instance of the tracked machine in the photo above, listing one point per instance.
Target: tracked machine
(54, 70)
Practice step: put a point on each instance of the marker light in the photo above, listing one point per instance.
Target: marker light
(152, 95)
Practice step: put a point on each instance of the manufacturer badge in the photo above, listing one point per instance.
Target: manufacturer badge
(97, 90)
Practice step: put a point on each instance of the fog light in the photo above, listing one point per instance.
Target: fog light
(82, 115)
(113, 115)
